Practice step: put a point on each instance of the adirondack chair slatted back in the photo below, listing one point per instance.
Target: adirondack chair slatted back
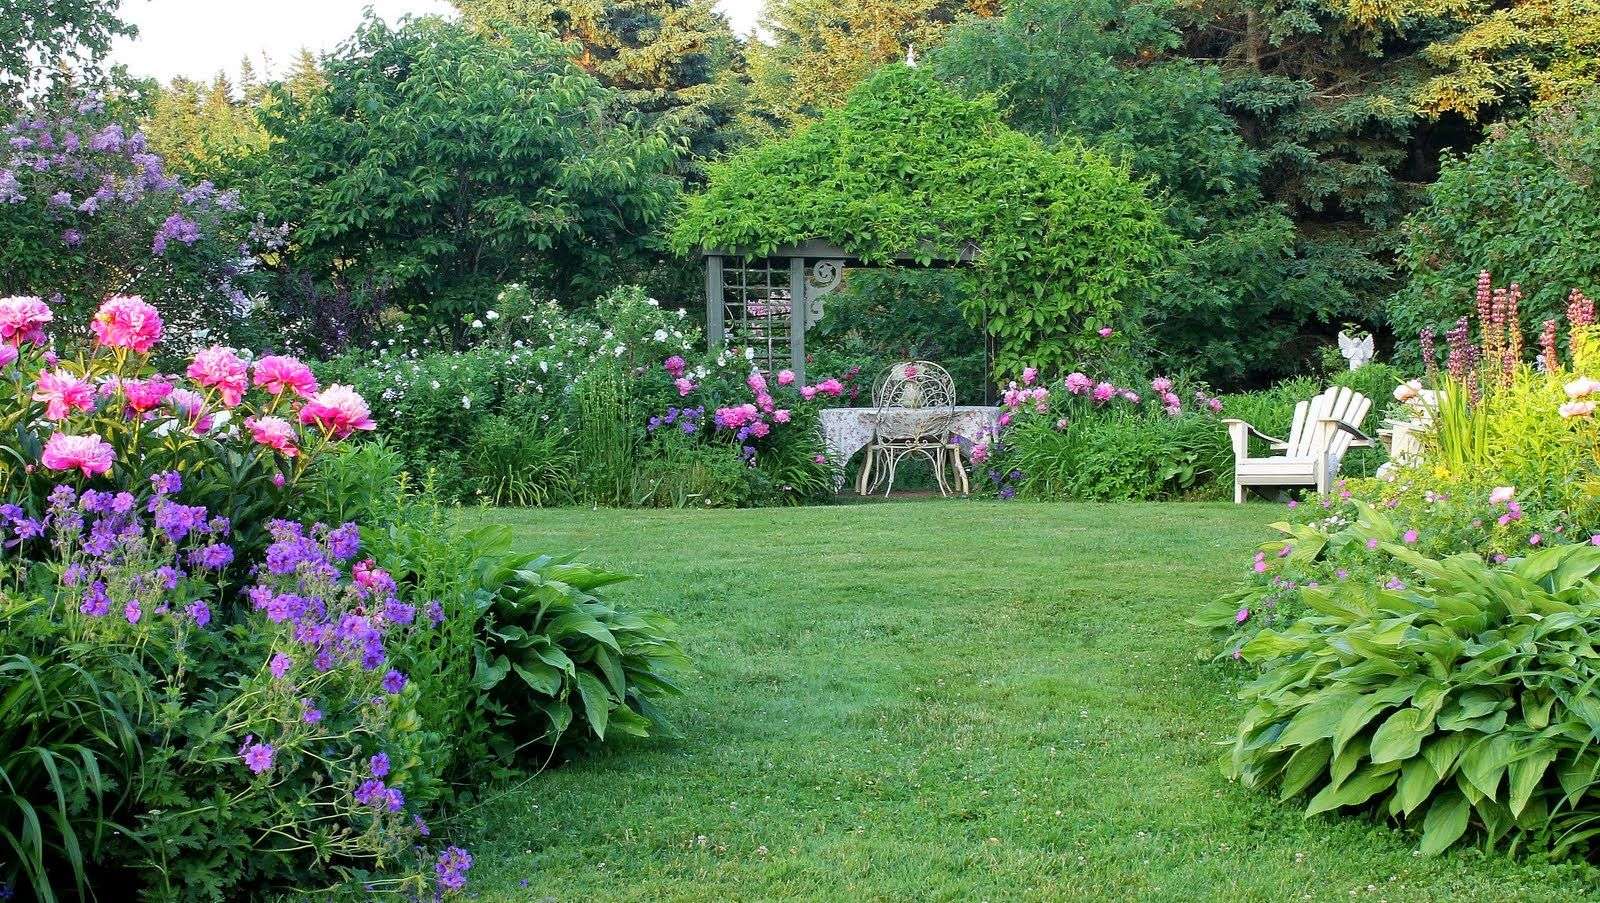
(1349, 407)
(1306, 438)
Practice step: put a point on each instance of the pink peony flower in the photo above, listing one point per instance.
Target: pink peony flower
(273, 432)
(684, 386)
(1131, 396)
(218, 367)
(674, 366)
(823, 459)
(1077, 383)
(765, 403)
(781, 416)
(63, 393)
(1029, 374)
(760, 429)
(808, 392)
(277, 372)
(1582, 387)
(1576, 409)
(1502, 494)
(1061, 424)
(89, 454)
(8, 355)
(1103, 392)
(146, 394)
(979, 453)
(1107, 332)
(1215, 404)
(785, 377)
(22, 320)
(831, 386)
(1409, 537)
(1161, 385)
(338, 411)
(757, 383)
(126, 321)
(1003, 419)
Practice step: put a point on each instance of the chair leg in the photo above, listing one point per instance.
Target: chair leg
(865, 474)
(961, 470)
(1238, 493)
(938, 471)
(894, 462)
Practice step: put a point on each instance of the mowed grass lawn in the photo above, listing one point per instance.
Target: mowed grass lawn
(933, 700)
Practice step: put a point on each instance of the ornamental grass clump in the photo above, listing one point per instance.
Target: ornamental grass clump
(1457, 698)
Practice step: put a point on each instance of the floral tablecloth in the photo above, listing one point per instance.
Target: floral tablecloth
(848, 430)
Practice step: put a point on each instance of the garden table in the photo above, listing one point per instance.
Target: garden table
(846, 431)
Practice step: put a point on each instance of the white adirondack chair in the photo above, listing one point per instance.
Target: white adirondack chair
(1324, 429)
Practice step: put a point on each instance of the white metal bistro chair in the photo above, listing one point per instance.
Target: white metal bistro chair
(1324, 429)
(916, 405)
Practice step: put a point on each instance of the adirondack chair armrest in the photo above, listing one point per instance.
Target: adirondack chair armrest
(1358, 440)
(1240, 426)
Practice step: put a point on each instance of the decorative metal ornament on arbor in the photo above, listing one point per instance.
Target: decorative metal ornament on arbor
(751, 298)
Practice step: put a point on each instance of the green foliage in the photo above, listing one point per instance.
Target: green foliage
(1461, 701)
(408, 173)
(1101, 71)
(678, 471)
(1508, 57)
(506, 463)
(1522, 205)
(202, 129)
(1116, 455)
(555, 661)
(38, 34)
(672, 62)
(69, 755)
(1068, 242)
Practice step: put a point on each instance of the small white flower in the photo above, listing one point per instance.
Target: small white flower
(661, 335)
(491, 316)
(544, 367)
(433, 384)
(466, 402)
(477, 324)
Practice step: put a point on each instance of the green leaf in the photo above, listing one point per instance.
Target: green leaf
(1358, 789)
(1417, 780)
(1400, 737)
(596, 702)
(1525, 774)
(1445, 823)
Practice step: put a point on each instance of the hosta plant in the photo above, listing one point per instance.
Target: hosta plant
(1460, 699)
(555, 661)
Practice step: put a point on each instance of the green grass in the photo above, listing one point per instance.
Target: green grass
(942, 701)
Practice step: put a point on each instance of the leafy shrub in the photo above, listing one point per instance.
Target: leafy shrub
(553, 658)
(506, 463)
(1522, 203)
(1460, 699)
(87, 209)
(1070, 243)
(680, 471)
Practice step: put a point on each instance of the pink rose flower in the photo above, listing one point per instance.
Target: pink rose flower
(126, 321)
(337, 410)
(146, 394)
(273, 432)
(277, 372)
(221, 369)
(22, 320)
(785, 377)
(89, 454)
(63, 393)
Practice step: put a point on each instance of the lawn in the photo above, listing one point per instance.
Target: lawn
(941, 701)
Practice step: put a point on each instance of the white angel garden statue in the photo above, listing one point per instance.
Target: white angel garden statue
(1357, 349)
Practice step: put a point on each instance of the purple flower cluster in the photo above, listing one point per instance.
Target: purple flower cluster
(689, 420)
(451, 869)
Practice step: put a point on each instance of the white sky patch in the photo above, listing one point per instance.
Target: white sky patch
(198, 38)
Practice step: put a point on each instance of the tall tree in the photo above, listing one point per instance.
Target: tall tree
(674, 62)
(38, 35)
(1102, 71)
(1509, 56)
(818, 50)
(199, 128)
(439, 163)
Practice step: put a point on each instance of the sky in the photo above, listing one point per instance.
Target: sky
(199, 38)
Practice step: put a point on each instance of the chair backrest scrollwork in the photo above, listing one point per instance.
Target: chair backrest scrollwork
(916, 402)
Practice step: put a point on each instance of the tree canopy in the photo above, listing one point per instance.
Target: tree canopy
(439, 163)
(1070, 243)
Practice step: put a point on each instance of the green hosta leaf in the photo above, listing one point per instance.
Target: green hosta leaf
(1358, 789)
(1445, 823)
(1485, 762)
(1269, 644)
(1400, 737)
(1443, 751)
(1525, 774)
(1306, 765)
(1318, 719)
(596, 702)
(487, 676)
(1417, 780)
(540, 677)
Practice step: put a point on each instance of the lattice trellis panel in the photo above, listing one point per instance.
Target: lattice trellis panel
(758, 308)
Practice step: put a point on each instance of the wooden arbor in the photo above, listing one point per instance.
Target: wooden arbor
(767, 301)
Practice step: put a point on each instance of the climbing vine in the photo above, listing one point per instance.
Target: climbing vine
(1068, 243)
